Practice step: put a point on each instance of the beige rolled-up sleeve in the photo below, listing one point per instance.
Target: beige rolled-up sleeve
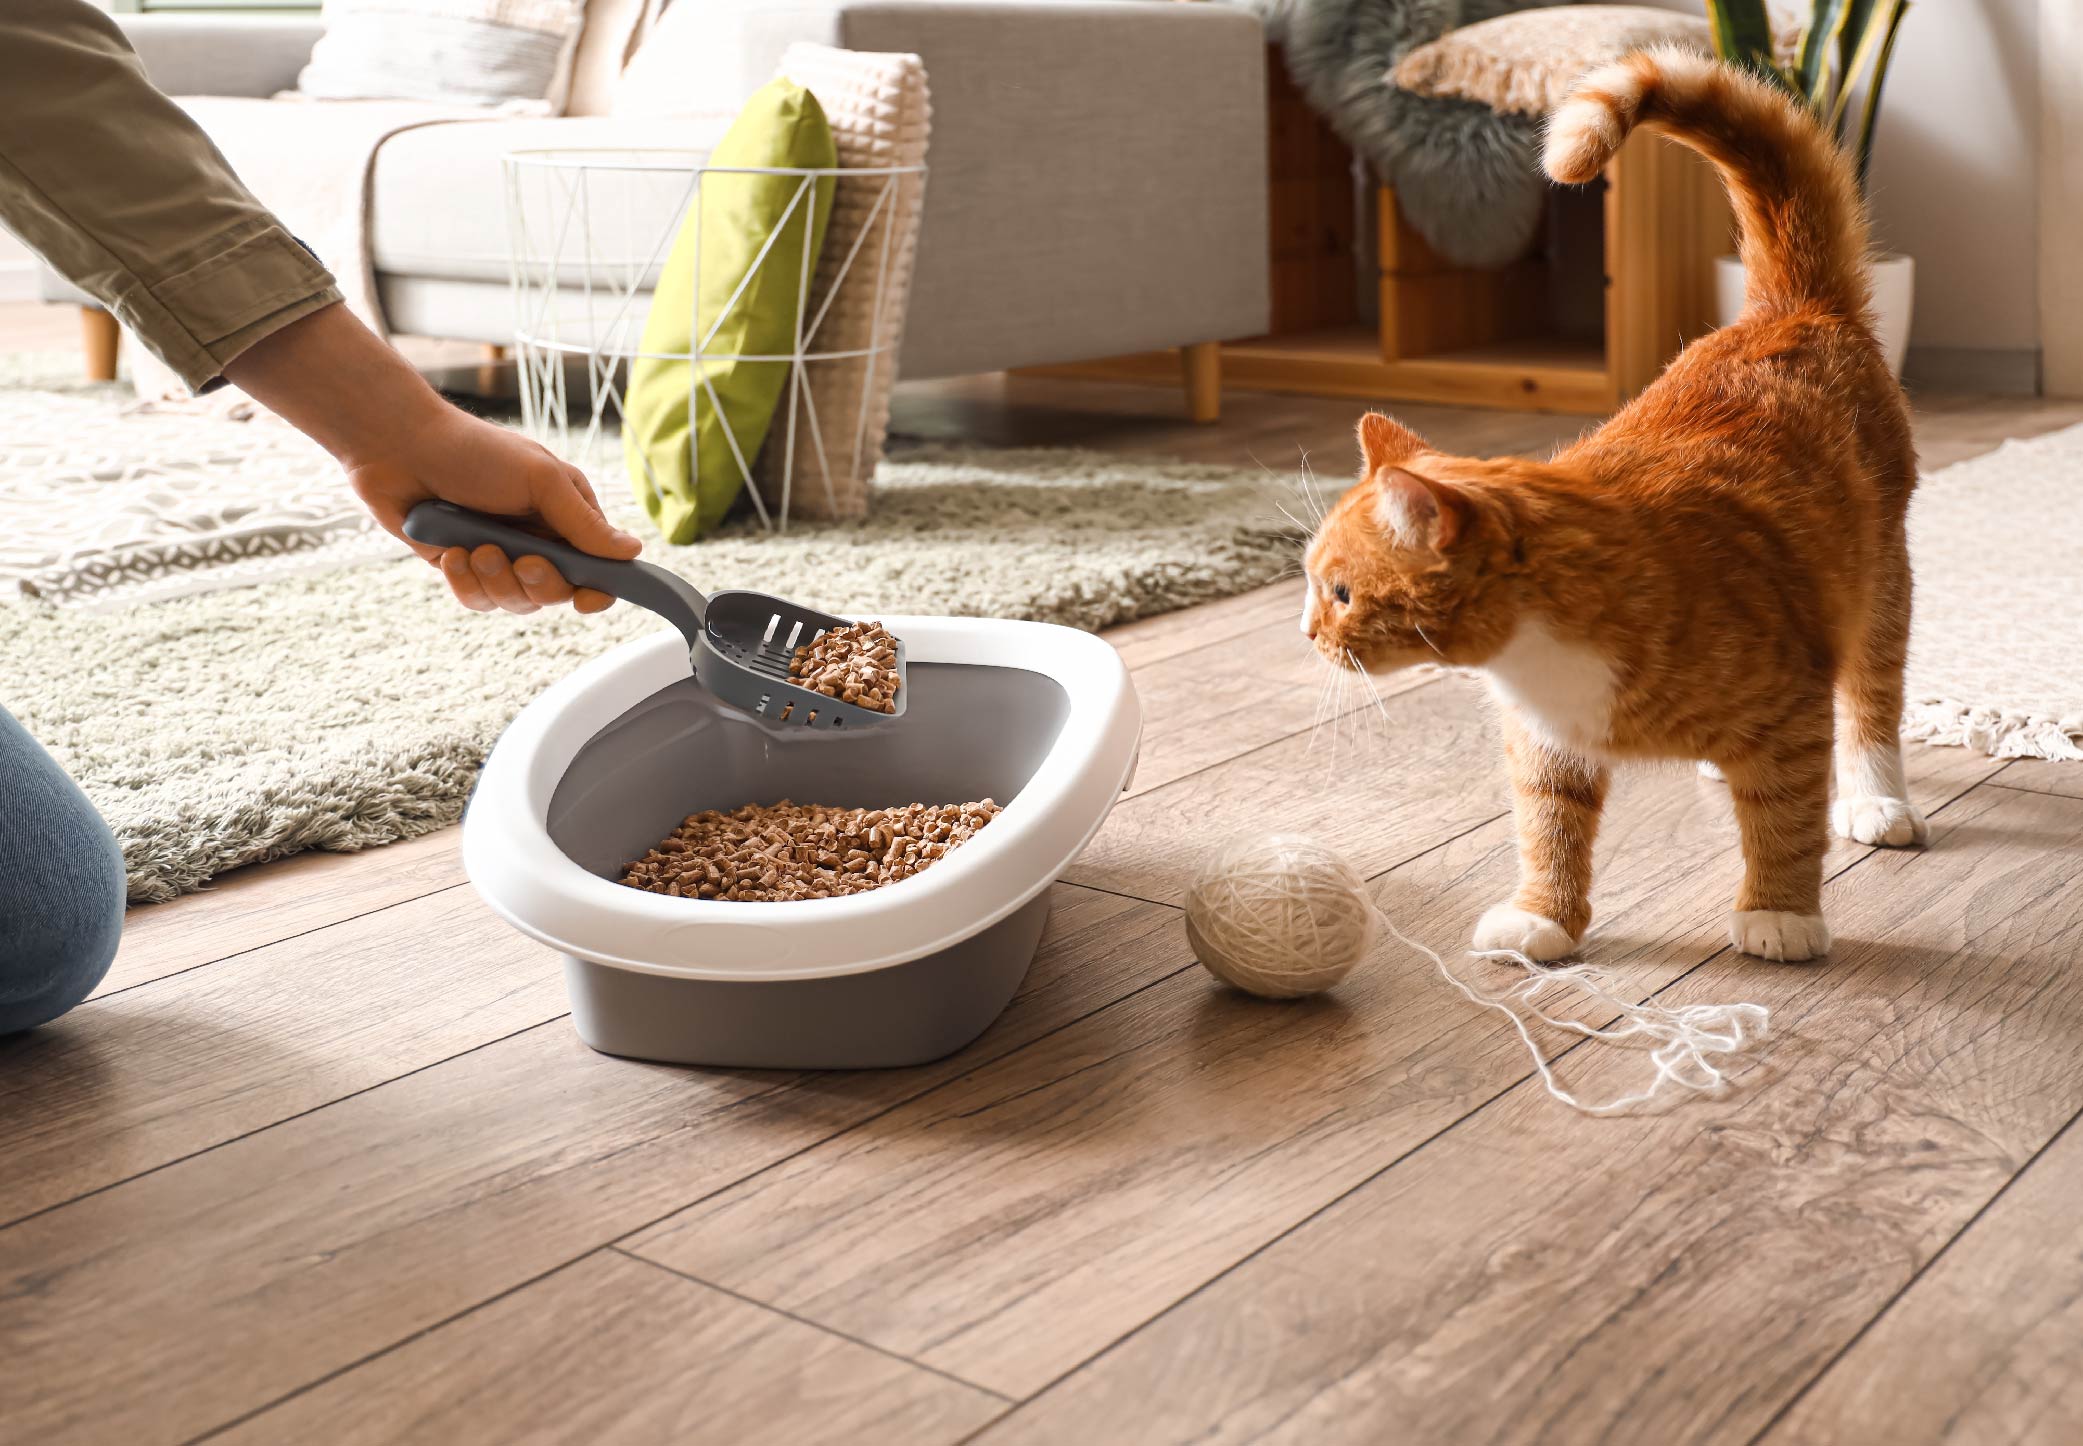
(114, 186)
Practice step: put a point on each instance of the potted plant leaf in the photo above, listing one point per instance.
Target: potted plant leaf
(1842, 57)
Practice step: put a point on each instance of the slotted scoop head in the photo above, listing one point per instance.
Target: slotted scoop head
(749, 639)
(740, 643)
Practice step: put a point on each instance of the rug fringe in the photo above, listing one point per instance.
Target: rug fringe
(1999, 734)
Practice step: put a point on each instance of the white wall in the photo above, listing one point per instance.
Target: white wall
(1955, 171)
(1954, 180)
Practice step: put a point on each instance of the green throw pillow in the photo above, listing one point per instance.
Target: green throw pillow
(688, 488)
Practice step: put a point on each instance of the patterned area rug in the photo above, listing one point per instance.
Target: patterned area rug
(352, 707)
(105, 502)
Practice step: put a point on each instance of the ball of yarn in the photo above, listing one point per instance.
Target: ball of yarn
(1279, 916)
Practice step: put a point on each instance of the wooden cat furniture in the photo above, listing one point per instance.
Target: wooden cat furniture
(1485, 338)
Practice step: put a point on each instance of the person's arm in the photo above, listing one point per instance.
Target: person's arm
(117, 188)
(336, 381)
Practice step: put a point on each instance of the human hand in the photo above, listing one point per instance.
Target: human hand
(400, 443)
(474, 464)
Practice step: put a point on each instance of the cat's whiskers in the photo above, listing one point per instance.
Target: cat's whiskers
(1323, 700)
(1299, 485)
(1329, 718)
(1340, 709)
(1300, 526)
(1306, 482)
(1380, 706)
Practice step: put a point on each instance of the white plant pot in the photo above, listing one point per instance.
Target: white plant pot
(1894, 289)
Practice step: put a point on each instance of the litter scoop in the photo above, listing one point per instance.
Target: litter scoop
(740, 643)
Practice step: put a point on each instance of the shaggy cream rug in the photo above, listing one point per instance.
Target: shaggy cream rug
(352, 707)
(1996, 648)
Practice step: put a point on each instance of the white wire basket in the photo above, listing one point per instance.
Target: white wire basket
(588, 235)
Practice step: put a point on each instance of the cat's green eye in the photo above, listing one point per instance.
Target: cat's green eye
(1342, 593)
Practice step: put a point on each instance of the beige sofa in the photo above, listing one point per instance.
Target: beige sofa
(1098, 169)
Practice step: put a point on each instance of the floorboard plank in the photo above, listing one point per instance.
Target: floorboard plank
(1539, 1275)
(1380, 786)
(613, 1349)
(163, 1070)
(2042, 776)
(1016, 1222)
(263, 903)
(1986, 1347)
(1196, 718)
(186, 1298)
(1152, 640)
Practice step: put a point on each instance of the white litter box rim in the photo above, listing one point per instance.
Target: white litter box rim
(533, 885)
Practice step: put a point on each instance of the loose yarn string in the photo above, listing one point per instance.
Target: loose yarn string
(1689, 1037)
(1282, 915)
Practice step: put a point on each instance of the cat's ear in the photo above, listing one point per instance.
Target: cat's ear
(1384, 442)
(1418, 512)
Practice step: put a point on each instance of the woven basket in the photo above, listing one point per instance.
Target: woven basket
(880, 115)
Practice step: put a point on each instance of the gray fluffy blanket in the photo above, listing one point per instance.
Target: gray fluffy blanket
(1466, 177)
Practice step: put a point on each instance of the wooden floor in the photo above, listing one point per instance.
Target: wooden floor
(324, 1161)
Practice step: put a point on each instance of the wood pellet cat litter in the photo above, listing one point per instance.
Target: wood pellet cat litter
(777, 852)
(856, 664)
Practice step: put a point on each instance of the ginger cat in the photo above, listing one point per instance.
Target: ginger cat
(1698, 578)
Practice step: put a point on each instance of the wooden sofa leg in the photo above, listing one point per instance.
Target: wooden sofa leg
(101, 335)
(1202, 363)
(490, 358)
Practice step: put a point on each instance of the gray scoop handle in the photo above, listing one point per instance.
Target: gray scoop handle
(443, 524)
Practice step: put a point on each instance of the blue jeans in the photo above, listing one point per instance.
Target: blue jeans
(61, 886)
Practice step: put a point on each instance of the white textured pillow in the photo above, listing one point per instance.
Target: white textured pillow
(1526, 62)
(512, 54)
(880, 115)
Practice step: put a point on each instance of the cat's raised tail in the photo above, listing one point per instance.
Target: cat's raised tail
(1804, 234)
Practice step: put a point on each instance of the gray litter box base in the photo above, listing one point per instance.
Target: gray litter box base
(904, 1014)
(970, 732)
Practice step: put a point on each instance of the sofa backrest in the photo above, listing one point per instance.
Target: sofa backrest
(614, 30)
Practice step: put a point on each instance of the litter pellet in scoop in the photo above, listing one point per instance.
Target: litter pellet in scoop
(856, 664)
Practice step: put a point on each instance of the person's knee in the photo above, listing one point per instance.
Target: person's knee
(61, 888)
(53, 954)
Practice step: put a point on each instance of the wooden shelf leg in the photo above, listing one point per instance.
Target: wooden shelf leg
(1202, 364)
(101, 336)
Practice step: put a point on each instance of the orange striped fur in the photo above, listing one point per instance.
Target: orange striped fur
(1700, 577)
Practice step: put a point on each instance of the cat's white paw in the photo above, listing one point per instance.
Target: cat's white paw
(1785, 938)
(1506, 926)
(1873, 819)
(1708, 770)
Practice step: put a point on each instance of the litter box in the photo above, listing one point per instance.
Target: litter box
(605, 763)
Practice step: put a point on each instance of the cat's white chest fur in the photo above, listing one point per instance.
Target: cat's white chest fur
(1562, 691)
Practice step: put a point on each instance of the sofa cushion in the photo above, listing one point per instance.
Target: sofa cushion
(1525, 63)
(613, 28)
(514, 54)
(691, 56)
(438, 193)
(734, 286)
